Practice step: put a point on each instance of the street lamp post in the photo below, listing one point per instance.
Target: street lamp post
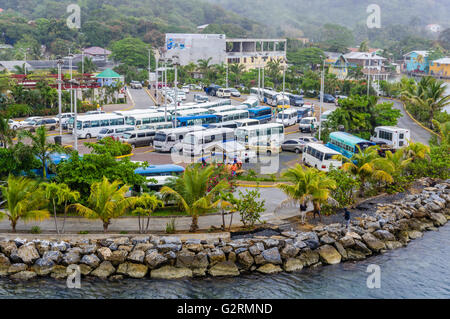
(60, 63)
(175, 63)
(157, 81)
(322, 85)
(284, 89)
(149, 58)
(71, 91)
(227, 74)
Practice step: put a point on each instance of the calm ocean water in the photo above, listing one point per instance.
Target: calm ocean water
(417, 271)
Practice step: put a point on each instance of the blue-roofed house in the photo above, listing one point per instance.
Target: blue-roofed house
(416, 61)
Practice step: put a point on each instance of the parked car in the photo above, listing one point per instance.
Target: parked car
(114, 133)
(199, 98)
(29, 121)
(294, 145)
(305, 124)
(212, 89)
(309, 139)
(136, 85)
(265, 148)
(296, 100)
(185, 89)
(138, 137)
(14, 125)
(50, 124)
(223, 92)
(195, 87)
(328, 98)
(235, 92)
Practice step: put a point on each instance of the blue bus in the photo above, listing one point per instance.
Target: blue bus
(54, 159)
(346, 143)
(261, 113)
(204, 120)
(161, 173)
(305, 111)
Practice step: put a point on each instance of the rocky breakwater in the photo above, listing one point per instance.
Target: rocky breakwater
(391, 226)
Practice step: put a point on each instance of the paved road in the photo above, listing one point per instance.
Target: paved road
(141, 98)
(418, 134)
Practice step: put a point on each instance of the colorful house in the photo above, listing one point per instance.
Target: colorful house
(440, 67)
(337, 64)
(416, 61)
(109, 78)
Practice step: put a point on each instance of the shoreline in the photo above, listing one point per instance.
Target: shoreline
(393, 225)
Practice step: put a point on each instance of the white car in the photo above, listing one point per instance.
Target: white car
(185, 89)
(305, 124)
(14, 125)
(29, 121)
(222, 92)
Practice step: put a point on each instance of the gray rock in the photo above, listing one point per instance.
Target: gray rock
(190, 260)
(118, 256)
(341, 250)
(28, 253)
(90, 260)
(170, 272)
(384, 235)
(24, 275)
(289, 234)
(414, 234)
(171, 240)
(353, 254)
(154, 259)
(168, 247)
(293, 264)
(103, 271)
(7, 247)
(136, 256)
(309, 258)
(104, 253)
(269, 243)
(140, 240)
(312, 243)
(269, 269)
(245, 259)
(326, 239)
(360, 246)
(59, 272)
(438, 219)
(53, 255)
(393, 244)
(87, 249)
(373, 243)
(71, 258)
(329, 255)
(289, 251)
(43, 266)
(254, 250)
(15, 268)
(216, 256)
(272, 255)
(224, 268)
(132, 270)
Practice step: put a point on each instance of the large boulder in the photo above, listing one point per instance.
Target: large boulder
(70, 258)
(118, 256)
(15, 268)
(24, 275)
(373, 243)
(59, 272)
(384, 235)
(329, 254)
(393, 244)
(216, 256)
(353, 254)
(269, 269)
(132, 270)
(245, 259)
(28, 253)
(438, 219)
(43, 266)
(154, 259)
(170, 272)
(341, 250)
(293, 264)
(309, 258)
(53, 255)
(103, 271)
(136, 256)
(289, 251)
(224, 268)
(104, 253)
(90, 260)
(272, 256)
(414, 234)
(7, 247)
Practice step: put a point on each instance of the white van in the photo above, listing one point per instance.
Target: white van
(223, 92)
(325, 115)
(195, 143)
(305, 124)
(247, 122)
(321, 157)
(287, 117)
(165, 140)
(392, 136)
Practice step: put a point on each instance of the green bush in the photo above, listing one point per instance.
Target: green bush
(110, 146)
(36, 230)
(249, 207)
(437, 167)
(170, 226)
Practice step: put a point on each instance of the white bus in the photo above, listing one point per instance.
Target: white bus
(269, 132)
(287, 117)
(165, 140)
(89, 126)
(231, 116)
(208, 105)
(252, 101)
(149, 118)
(156, 127)
(134, 112)
(394, 137)
(192, 112)
(321, 157)
(171, 109)
(272, 98)
(195, 143)
(246, 122)
(220, 109)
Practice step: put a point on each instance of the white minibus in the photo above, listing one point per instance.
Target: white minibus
(89, 126)
(252, 135)
(287, 117)
(165, 140)
(195, 143)
(320, 156)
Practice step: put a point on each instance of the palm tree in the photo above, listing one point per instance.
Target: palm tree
(6, 133)
(395, 163)
(88, 67)
(21, 69)
(191, 192)
(106, 201)
(365, 165)
(203, 65)
(145, 205)
(237, 69)
(41, 147)
(417, 151)
(24, 200)
(306, 184)
(274, 69)
(58, 194)
(444, 131)
(364, 46)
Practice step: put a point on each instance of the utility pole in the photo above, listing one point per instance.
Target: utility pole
(60, 63)
(149, 58)
(283, 97)
(157, 81)
(322, 85)
(70, 68)
(227, 75)
(165, 88)
(175, 63)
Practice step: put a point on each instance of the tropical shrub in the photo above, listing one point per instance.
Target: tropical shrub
(249, 207)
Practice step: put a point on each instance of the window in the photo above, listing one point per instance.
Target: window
(401, 136)
(141, 135)
(104, 123)
(86, 124)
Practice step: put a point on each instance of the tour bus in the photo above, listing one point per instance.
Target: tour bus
(251, 135)
(204, 120)
(89, 126)
(148, 118)
(192, 112)
(287, 117)
(156, 127)
(211, 104)
(282, 101)
(394, 137)
(231, 116)
(321, 157)
(347, 144)
(134, 112)
(165, 140)
(195, 143)
(161, 173)
(247, 122)
(251, 102)
(220, 109)
(171, 108)
(261, 113)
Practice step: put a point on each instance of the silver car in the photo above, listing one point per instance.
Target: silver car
(296, 146)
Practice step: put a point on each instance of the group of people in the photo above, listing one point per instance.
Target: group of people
(347, 214)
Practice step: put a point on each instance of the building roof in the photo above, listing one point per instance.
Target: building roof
(419, 52)
(371, 50)
(97, 51)
(108, 74)
(445, 60)
(9, 65)
(363, 56)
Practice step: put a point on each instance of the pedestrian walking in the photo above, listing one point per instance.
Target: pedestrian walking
(303, 208)
(317, 212)
(347, 218)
